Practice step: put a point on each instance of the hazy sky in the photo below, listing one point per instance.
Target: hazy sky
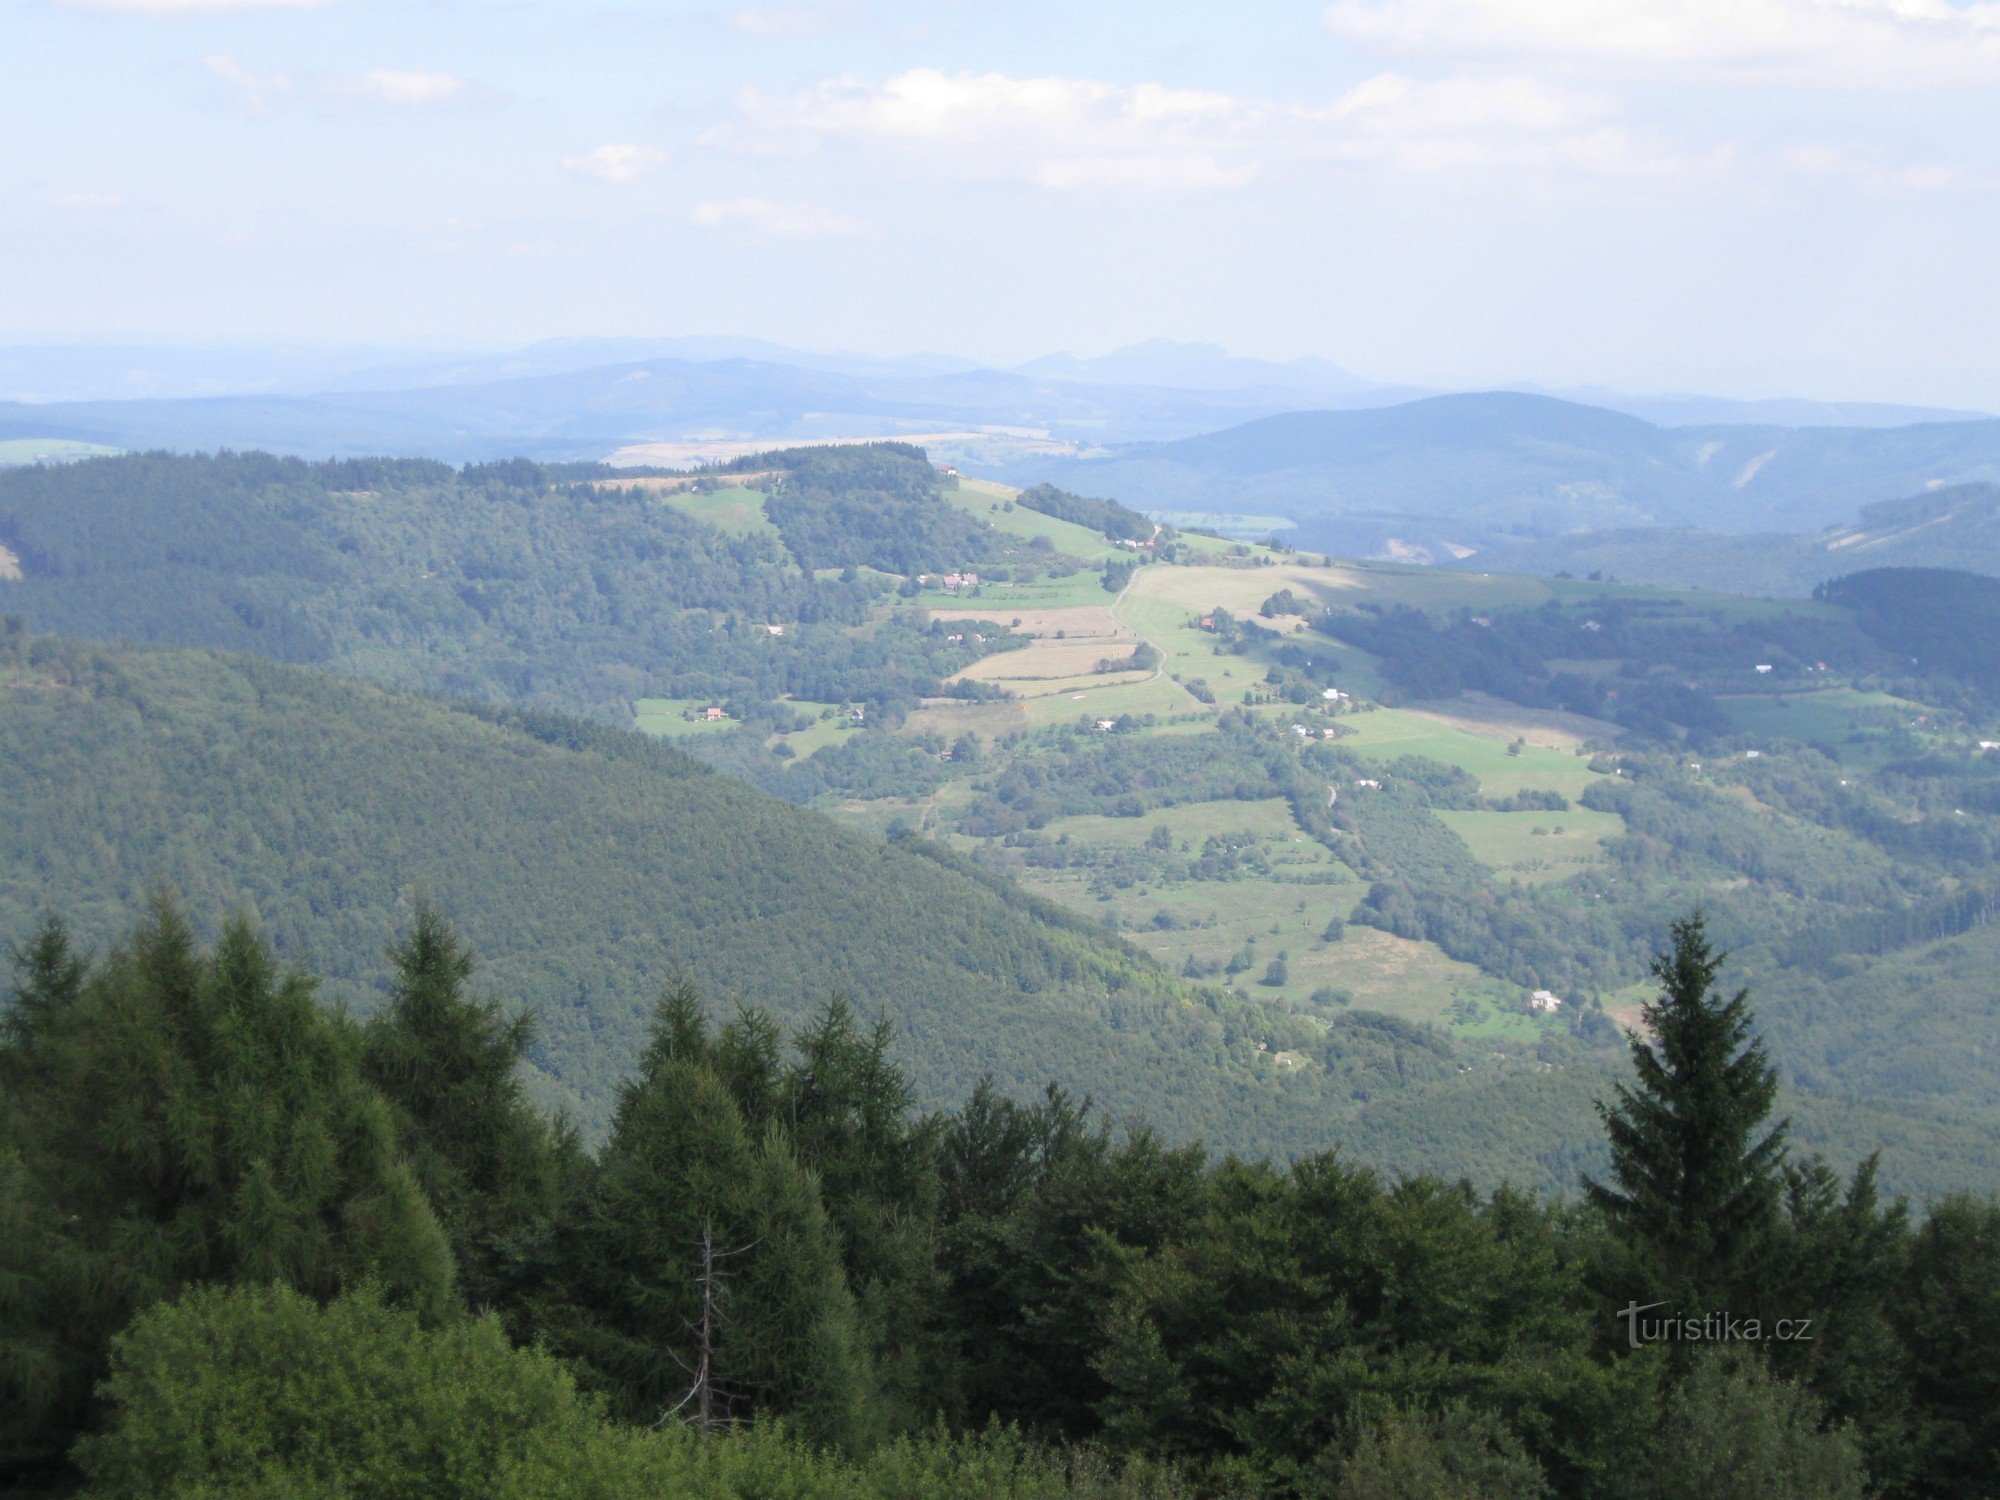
(1746, 197)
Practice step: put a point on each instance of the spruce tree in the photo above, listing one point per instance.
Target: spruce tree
(1695, 1189)
(449, 1064)
(174, 1117)
(699, 1276)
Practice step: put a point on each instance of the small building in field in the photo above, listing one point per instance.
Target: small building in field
(1545, 1000)
(712, 714)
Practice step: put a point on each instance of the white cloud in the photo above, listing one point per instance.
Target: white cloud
(393, 88)
(407, 90)
(259, 93)
(618, 162)
(776, 220)
(1870, 42)
(1869, 170)
(1082, 133)
(87, 202)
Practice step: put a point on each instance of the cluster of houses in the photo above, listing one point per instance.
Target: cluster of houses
(1305, 733)
(961, 580)
(959, 640)
(1132, 546)
(1545, 1001)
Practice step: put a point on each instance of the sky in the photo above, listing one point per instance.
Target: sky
(1738, 197)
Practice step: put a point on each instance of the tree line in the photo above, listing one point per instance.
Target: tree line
(253, 1245)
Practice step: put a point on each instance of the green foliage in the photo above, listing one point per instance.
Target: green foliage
(181, 1116)
(1948, 1313)
(1943, 620)
(1115, 521)
(776, 1274)
(1732, 1432)
(262, 1393)
(500, 582)
(1695, 1191)
(449, 1066)
(701, 1276)
(585, 865)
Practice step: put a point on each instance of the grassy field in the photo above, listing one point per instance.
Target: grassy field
(16, 452)
(1828, 717)
(663, 717)
(1536, 846)
(999, 600)
(829, 727)
(1151, 695)
(736, 510)
(1398, 731)
(1240, 590)
(990, 502)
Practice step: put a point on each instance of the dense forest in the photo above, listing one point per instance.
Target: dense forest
(253, 1246)
(1117, 522)
(588, 863)
(514, 582)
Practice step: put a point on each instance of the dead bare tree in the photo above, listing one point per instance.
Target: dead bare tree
(704, 1391)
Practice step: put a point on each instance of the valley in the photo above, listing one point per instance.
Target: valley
(1359, 840)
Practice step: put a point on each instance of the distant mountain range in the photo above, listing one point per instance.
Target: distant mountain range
(1957, 526)
(1438, 477)
(560, 398)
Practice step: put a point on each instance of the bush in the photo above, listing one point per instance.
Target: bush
(261, 1392)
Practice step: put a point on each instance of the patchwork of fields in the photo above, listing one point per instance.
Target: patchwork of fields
(1235, 892)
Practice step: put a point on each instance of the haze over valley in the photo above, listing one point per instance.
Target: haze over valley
(858, 748)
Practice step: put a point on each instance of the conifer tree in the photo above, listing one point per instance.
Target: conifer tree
(702, 1260)
(47, 978)
(177, 1117)
(449, 1064)
(1695, 1188)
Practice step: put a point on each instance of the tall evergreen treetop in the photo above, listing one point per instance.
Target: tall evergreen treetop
(1695, 1189)
(177, 1116)
(449, 1064)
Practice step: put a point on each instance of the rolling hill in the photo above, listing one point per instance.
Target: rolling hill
(554, 412)
(1474, 471)
(1955, 526)
(586, 866)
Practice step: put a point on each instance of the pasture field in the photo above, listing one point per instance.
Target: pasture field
(1085, 699)
(1240, 590)
(664, 717)
(952, 717)
(829, 727)
(1535, 846)
(1390, 732)
(1269, 821)
(989, 501)
(1830, 716)
(737, 510)
(1002, 599)
(19, 452)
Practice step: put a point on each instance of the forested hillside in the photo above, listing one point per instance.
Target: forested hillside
(1495, 467)
(589, 866)
(1954, 526)
(509, 581)
(1305, 800)
(254, 1248)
